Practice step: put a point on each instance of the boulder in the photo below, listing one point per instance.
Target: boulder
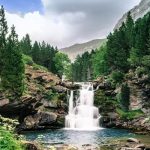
(133, 140)
(142, 146)
(31, 145)
(40, 120)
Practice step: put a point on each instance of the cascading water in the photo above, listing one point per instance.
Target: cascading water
(84, 115)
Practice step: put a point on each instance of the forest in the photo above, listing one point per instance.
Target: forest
(13, 52)
(126, 48)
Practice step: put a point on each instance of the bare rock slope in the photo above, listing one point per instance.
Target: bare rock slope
(79, 49)
(137, 12)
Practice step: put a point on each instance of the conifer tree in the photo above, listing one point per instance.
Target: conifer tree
(12, 77)
(3, 33)
(25, 45)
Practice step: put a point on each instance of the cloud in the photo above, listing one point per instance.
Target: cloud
(65, 22)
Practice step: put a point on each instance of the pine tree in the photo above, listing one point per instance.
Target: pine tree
(3, 33)
(36, 53)
(25, 45)
(125, 97)
(13, 70)
(129, 30)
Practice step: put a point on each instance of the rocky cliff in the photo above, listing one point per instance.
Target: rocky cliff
(107, 99)
(44, 102)
(137, 12)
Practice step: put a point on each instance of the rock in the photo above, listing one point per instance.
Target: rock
(142, 146)
(3, 102)
(30, 145)
(127, 148)
(25, 106)
(47, 118)
(40, 120)
(70, 85)
(58, 88)
(133, 140)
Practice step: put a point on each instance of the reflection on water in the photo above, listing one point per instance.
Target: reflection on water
(77, 137)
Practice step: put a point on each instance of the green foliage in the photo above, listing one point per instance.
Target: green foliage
(130, 114)
(27, 60)
(117, 76)
(25, 45)
(81, 69)
(8, 141)
(146, 63)
(140, 71)
(124, 97)
(50, 95)
(12, 74)
(3, 34)
(62, 63)
(99, 64)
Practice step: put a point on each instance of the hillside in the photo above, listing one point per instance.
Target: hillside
(79, 49)
(137, 12)
(44, 97)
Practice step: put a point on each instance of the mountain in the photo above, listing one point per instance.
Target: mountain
(137, 12)
(79, 49)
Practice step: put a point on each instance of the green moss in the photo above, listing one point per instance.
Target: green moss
(130, 114)
(8, 141)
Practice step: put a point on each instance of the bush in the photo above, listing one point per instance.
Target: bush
(141, 71)
(27, 60)
(8, 141)
(117, 76)
(130, 115)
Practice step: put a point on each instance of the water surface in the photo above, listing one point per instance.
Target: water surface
(77, 137)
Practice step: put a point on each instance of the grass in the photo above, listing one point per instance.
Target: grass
(129, 115)
(8, 140)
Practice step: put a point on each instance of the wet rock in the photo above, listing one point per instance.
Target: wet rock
(133, 140)
(70, 85)
(127, 148)
(142, 146)
(30, 145)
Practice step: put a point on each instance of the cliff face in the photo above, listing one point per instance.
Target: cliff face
(137, 12)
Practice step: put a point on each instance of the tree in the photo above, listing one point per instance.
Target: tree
(99, 64)
(12, 76)
(61, 62)
(36, 53)
(129, 30)
(125, 97)
(117, 50)
(3, 33)
(25, 45)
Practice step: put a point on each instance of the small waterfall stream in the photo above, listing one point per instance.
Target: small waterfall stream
(84, 115)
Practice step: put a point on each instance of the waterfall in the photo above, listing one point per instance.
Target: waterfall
(84, 115)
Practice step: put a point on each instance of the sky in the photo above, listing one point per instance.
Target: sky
(62, 23)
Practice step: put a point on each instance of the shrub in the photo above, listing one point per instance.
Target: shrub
(130, 114)
(117, 76)
(8, 141)
(27, 60)
(141, 71)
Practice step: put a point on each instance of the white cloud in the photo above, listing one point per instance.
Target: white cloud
(67, 21)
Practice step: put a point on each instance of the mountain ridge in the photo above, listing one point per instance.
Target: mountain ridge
(137, 12)
(80, 48)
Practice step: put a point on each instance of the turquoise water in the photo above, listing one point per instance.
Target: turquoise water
(77, 137)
